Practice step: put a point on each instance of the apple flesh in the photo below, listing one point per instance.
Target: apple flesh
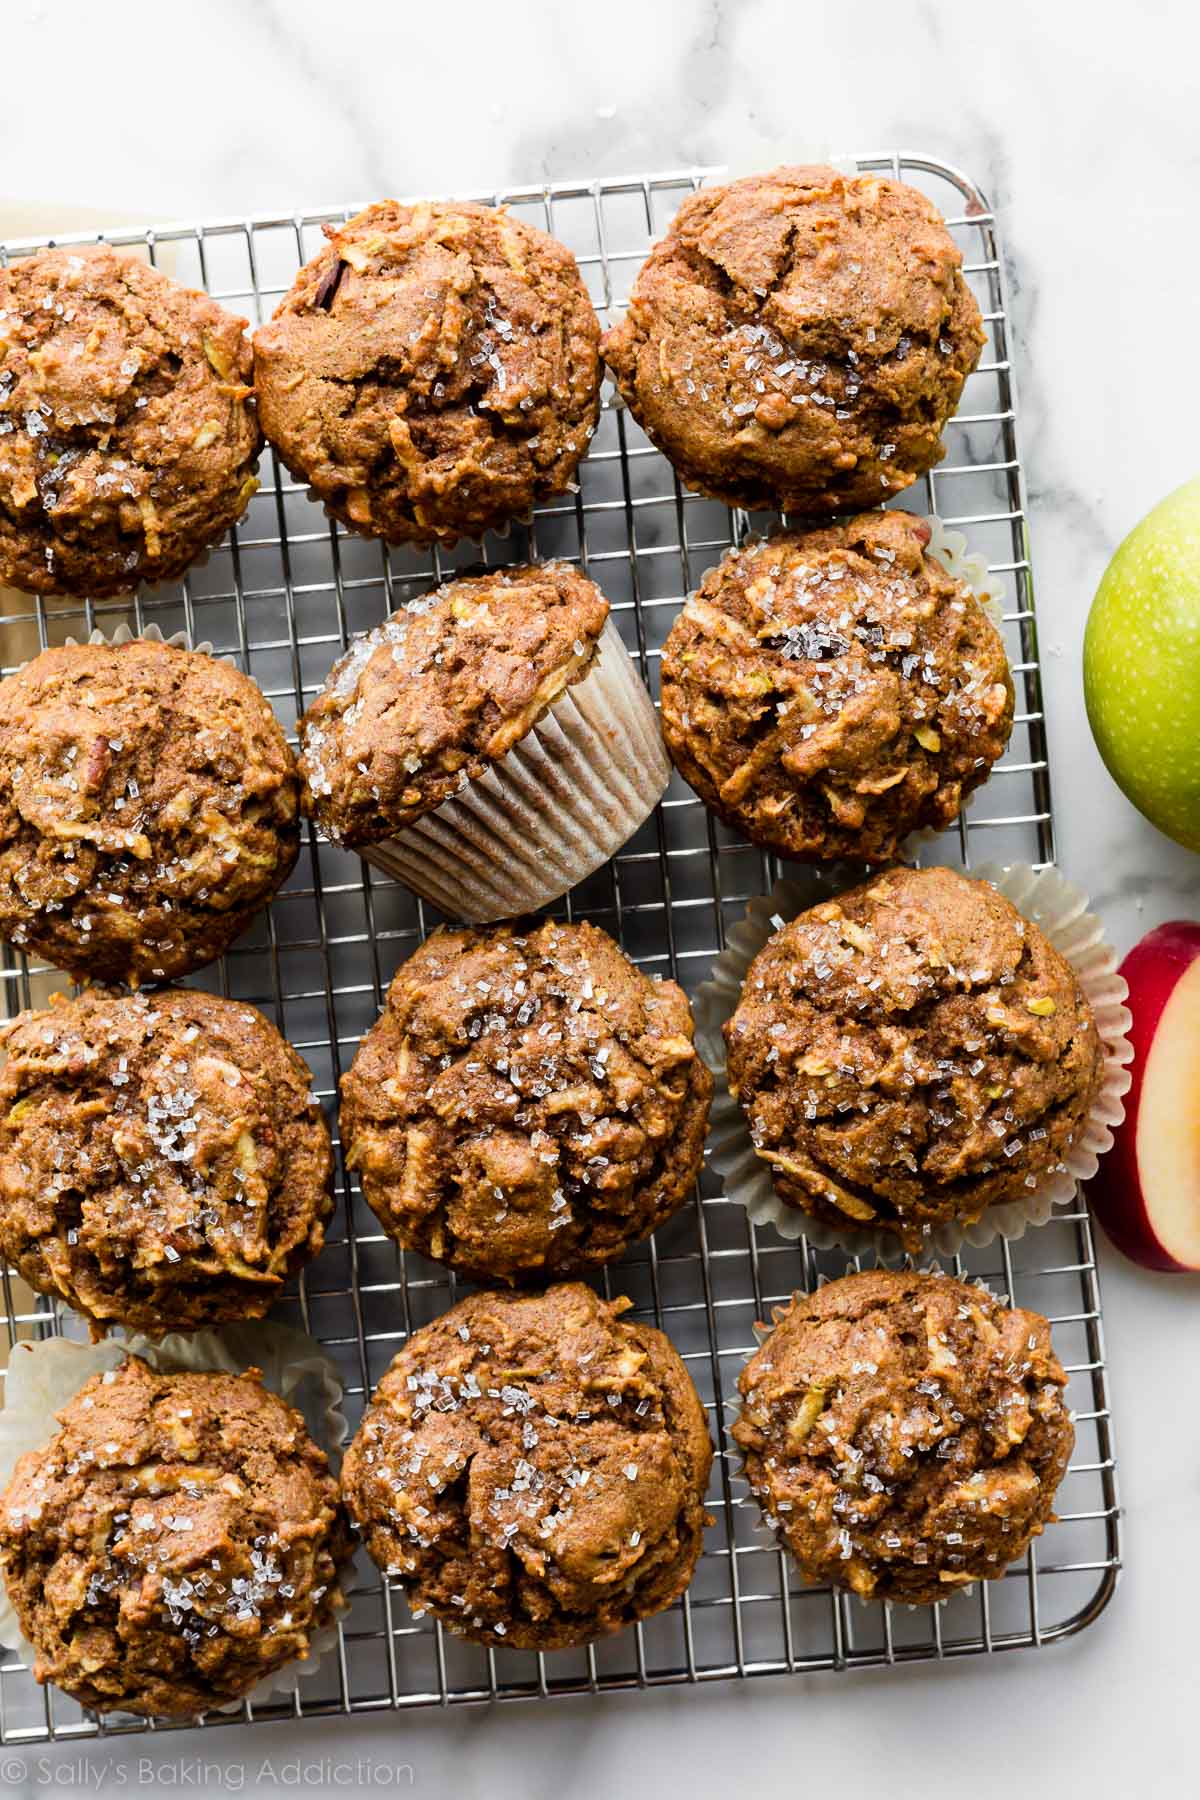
(1146, 1193)
(1141, 666)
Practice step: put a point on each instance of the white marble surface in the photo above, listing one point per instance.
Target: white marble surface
(1080, 119)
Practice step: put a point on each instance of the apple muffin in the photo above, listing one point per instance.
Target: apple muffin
(127, 440)
(177, 1540)
(531, 1469)
(441, 692)
(828, 692)
(798, 340)
(911, 1053)
(528, 1104)
(149, 807)
(904, 1434)
(163, 1162)
(434, 372)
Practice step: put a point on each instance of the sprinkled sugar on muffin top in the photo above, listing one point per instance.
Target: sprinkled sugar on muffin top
(910, 1053)
(799, 339)
(127, 444)
(528, 1104)
(176, 1541)
(427, 701)
(434, 373)
(148, 808)
(532, 1469)
(163, 1162)
(904, 1434)
(827, 692)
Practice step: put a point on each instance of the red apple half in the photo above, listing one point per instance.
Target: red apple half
(1147, 1191)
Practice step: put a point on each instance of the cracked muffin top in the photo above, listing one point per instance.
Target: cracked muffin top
(529, 1103)
(799, 339)
(148, 808)
(434, 372)
(532, 1469)
(177, 1540)
(830, 691)
(163, 1162)
(904, 1434)
(445, 687)
(911, 1053)
(127, 444)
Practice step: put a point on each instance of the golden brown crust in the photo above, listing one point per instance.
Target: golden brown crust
(177, 1540)
(912, 1053)
(148, 808)
(127, 444)
(529, 1103)
(434, 372)
(904, 1434)
(830, 691)
(799, 339)
(445, 687)
(163, 1163)
(532, 1469)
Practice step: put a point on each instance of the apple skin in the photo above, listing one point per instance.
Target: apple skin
(1141, 666)
(1152, 969)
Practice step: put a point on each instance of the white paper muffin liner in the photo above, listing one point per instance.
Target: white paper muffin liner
(549, 813)
(43, 1377)
(1044, 896)
(152, 634)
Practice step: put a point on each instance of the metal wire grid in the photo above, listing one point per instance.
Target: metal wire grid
(281, 597)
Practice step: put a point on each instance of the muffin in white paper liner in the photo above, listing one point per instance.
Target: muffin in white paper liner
(44, 1376)
(551, 811)
(1044, 896)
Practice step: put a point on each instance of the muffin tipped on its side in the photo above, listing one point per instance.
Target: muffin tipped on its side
(434, 373)
(149, 807)
(532, 1470)
(127, 442)
(163, 1162)
(176, 1541)
(911, 1053)
(828, 692)
(798, 340)
(904, 1434)
(528, 1105)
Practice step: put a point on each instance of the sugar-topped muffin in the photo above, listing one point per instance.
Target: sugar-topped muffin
(911, 1053)
(528, 1104)
(798, 340)
(434, 372)
(904, 1434)
(127, 440)
(828, 692)
(532, 1469)
(148, 808)
(178, 1539)
(163, 1162)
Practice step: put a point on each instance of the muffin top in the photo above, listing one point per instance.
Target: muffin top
(434, 372)
(148, 808)
(904, 1433)
(163, 1163)
(126, 441)
(425, 702)
(177, 1540)
(827, 692)
(799, 340)
(528, 1104)
(910, 1053)
(587, 1451)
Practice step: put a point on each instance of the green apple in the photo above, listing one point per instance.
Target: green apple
(1141, 666)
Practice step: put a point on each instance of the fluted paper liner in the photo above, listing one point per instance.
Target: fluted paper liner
(549, 813)
(1050, 901)
(43, 1377)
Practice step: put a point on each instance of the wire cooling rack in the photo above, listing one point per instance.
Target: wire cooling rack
(281, 597)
